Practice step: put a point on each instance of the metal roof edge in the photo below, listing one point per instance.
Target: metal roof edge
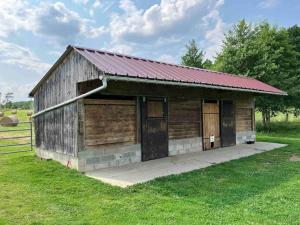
(188, 84)
(46, 76)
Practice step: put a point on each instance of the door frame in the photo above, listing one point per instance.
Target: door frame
(220, 102)
(234, 120)
(143, 113)
(202, 121)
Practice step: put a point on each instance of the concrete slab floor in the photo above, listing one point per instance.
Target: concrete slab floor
(144, 171)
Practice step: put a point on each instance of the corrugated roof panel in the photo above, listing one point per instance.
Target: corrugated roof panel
(123, 65)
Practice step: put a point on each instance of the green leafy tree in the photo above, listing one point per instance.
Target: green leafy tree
(294, 97)
(265, 53)
(193, 57)
(294, 34)
(208, 64)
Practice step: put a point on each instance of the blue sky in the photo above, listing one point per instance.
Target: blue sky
(34, 33)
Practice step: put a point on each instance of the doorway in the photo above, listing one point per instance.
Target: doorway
(154, 138)
(211, 124)
(228, 134)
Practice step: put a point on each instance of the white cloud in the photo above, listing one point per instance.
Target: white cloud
(268, 3)
(22, 57)
(215, 35)
(13, 16)
(91, 12)
(170, 17)
(94, 32)
(169, 23)
(62, 24)
(20, 91)
(167, 58)
(52, 20)
(97, 3)
(121, 48)
(84, 2)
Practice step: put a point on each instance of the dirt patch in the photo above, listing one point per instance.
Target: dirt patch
(295, 158)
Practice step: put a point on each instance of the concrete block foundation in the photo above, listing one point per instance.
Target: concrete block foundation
(66, 160)
(182, 146)
(108, 156)
(243, 137)
(116, 156)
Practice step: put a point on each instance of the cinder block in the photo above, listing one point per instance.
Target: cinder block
(179, 147)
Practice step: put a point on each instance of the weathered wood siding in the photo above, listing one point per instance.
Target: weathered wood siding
(184, 118)
(109, 122)
(57, 130)
(245, 111)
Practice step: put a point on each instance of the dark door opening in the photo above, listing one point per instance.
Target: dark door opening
(228, 133)
(154, 116)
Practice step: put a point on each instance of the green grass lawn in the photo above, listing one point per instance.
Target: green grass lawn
(260, 189)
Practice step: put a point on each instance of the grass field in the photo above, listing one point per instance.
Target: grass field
(260, 189)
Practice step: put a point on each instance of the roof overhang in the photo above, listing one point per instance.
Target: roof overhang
(187, 84)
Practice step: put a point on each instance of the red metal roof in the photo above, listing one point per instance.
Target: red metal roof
(146, 70)
(124, 65)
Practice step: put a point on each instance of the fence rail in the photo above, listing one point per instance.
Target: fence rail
(27, 136)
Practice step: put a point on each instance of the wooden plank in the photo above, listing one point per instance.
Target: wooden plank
(184, 119)
(211, 124)
(244, 115)
(109, 121)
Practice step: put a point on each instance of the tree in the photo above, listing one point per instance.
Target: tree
(193, 57)
(264, 52)
(294, 36)
(208, 64)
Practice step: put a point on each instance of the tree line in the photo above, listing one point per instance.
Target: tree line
(263, 51)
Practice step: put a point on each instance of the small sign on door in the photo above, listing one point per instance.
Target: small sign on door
(212, 138)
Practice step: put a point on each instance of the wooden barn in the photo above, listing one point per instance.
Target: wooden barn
(96, 109)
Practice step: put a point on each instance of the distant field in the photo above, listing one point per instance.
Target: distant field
(280, 117)
(279, 127)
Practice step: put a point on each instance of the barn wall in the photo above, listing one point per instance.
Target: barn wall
(189, 138)
(185, 129)
(109, 122)
(185, 133)
(56, 131)
(109, 134)
(245, 120)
